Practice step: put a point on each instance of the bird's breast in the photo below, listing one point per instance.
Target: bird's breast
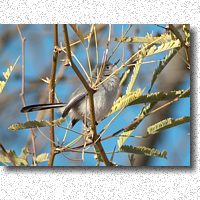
(103, 101)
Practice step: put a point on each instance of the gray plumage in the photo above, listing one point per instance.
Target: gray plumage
(78, 104)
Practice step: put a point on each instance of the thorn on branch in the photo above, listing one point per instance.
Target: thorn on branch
(57, 49)
(67, 62)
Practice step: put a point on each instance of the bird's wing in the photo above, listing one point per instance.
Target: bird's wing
(77, 96)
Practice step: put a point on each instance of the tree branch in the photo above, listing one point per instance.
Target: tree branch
(90, 91)
(52, 94)
(22, 95)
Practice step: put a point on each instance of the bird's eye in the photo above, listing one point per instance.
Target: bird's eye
(107, 67)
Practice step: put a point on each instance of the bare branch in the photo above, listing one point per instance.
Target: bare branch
(90, 95)
(52, 94)
(22, 94)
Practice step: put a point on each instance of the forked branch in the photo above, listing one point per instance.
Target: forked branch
(90, 91)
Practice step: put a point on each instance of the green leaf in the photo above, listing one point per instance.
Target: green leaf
(144, 151)
(11, 157)
(123, 137)
(160, 96)
(24, 153)
(148, 51)
(133, 125)
(161, 66)
(17, 160)
(20, 161)
(29, 124)
(42, 157)
(165, 124)
(4, 159)
(125, 100)
(186, 30)
(164, 47)
(147, 39)
(124, 76)
(7, 75)
(34, 124)
(134, 76)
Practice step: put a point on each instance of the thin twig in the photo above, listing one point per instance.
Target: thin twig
(80, 65)
(76, 160)
(108, 42)
(52, 94)
(123, 45)
(96, 45)
(22, 94)
(90, 96)
(116, 47)
(68, 129)
(43, 134)
(105, 56)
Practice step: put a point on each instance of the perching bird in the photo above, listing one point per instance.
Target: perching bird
(78, 105)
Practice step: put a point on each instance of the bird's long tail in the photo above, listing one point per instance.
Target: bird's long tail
(38, 107)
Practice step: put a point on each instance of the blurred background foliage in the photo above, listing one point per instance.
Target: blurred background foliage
(38, 58)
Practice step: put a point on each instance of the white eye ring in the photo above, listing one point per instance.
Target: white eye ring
(107, 67)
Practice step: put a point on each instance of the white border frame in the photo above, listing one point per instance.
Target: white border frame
(105, 183)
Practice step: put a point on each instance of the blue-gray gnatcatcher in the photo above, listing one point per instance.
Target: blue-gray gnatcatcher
(78, 105)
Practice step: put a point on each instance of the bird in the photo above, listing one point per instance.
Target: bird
(78, 105)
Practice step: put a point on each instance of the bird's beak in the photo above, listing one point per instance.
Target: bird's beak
(116, 62)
